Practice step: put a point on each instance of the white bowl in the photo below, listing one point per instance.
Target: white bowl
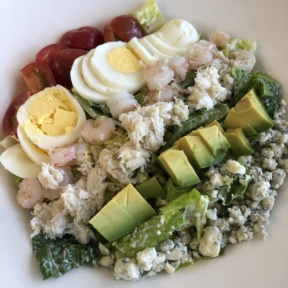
(27, 26)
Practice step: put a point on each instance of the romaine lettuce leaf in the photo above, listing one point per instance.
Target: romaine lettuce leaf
(186, 210)
(149, 16)
(230, 191)
(57, 256)
(266, 87)
(240, 44)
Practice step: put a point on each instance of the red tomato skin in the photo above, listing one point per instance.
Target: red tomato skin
(37, 76)
(61, 64)
(108, 34)
(85, 38)
(45, 54)
(10, 122)
(126, 27)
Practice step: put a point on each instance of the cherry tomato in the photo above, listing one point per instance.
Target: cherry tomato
(10, 122)
(125, 28)
(85, 38)
(61, 63)
(37, 76)
(108, 33)
(45, 54)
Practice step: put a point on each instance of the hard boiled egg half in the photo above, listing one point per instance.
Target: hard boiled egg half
(114, 67)
(108, 69)
(49, 119)
(172, 39)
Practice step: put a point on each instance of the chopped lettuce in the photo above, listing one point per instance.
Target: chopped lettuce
(172, 191)
(140, 98)
(91, 108)
(17, 180)
(266, 87)
(119, 139)
(149, 16)
(8, 142)
(187, 210)
(57, 256)
(240, 44)
(231, 190)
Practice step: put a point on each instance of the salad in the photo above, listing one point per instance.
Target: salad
(153, 131)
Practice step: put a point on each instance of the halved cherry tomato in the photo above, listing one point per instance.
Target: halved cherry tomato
(10, 122)
(85, 38)
(125, 28)
(61, 63)
(37, 76)
(45, 54)
(108, 33)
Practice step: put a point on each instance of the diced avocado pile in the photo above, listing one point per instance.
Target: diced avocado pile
(249, 114)
(197, 150)
(209, 145)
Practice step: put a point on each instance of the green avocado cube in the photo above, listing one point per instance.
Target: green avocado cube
(249, 114)
(151, 188)
(177, 165)
(112, 227)
(215, 122)
(252, 110)
(215, 141)
(197, 151)
(240, 144)
(135, 205)
(233, 121)
(123, 213)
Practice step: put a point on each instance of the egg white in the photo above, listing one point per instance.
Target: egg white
(141, 51)
(165, 47)
(81, 86)
(130, 82)
(91, 78)
(153, 50)
(178, 33)
(37, 136)
(36, 154)
(16, 161)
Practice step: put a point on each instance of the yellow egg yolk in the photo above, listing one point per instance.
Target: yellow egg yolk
(123, 60)
(52, 112)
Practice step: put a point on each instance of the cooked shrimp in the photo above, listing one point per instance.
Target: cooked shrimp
(81, 150)
(99, 130)
(166, 94)
(61, 156)
(199, 55)
(68, 155)
(180, 65)
(30, 193)
(220, 39)
(121, 103)
(158, 75)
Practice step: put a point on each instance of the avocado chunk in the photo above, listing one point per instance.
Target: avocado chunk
(177, 165)
(196, 151)
(216, 142)
(123, 213)
(215, 122)
(233, 121)
(240, 144)
(151, 188)
(249, 110)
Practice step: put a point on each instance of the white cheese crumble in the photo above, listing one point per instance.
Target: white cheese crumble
(235, 167)
(210, 243)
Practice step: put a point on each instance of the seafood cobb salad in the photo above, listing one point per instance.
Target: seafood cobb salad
(146, 147)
